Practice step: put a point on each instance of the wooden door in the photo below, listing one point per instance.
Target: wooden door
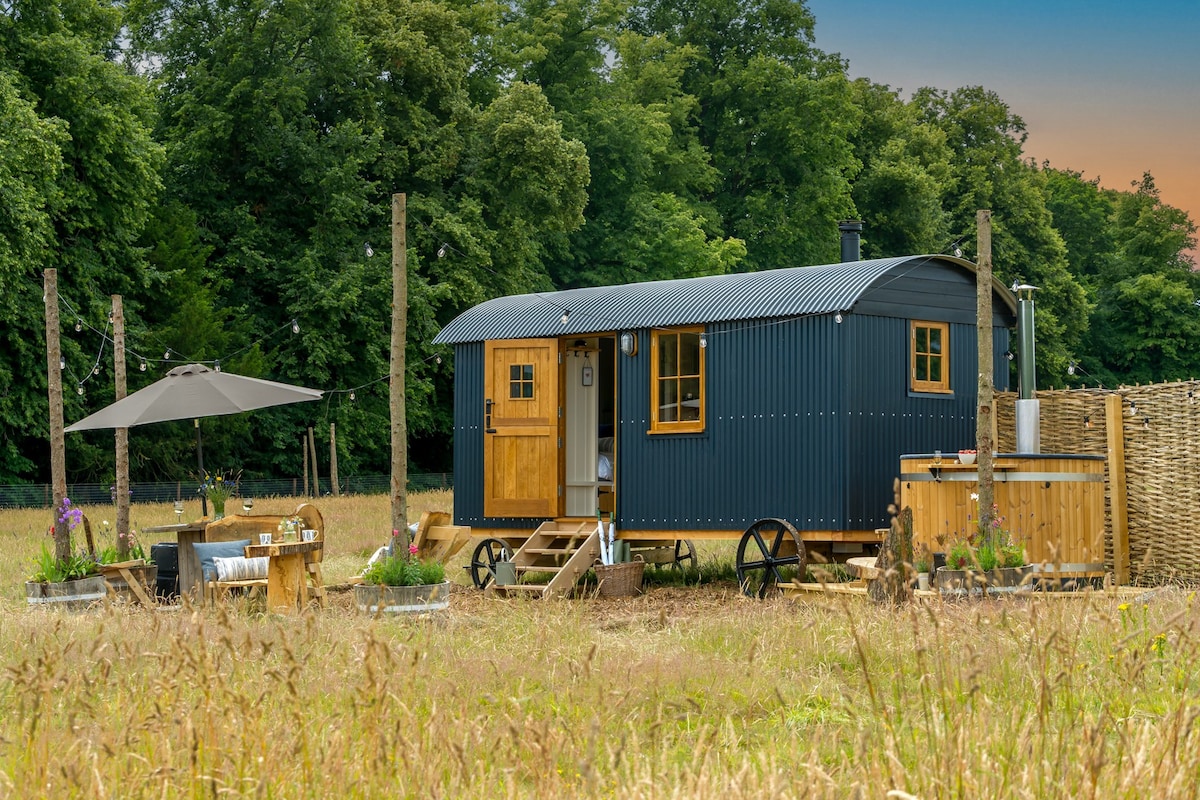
(520, 442)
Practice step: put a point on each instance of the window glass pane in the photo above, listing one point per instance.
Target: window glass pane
(689, 389)
(527, 389)
(922, 340)
(668, 399)
(922, 368)
(935, 369)
(514, 372)
(514, 389)
(689, 354)
(935, 340)
(527, 372)
(668, 355)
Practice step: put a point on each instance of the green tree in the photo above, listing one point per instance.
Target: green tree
(1146, 330)
(80, 177)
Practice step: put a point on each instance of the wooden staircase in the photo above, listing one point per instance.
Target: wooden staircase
(566, 548)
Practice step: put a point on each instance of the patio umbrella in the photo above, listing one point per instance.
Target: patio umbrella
(191, 392)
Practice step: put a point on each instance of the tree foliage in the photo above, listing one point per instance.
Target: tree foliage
(224, 165)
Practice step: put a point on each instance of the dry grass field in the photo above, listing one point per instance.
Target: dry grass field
(685, 692)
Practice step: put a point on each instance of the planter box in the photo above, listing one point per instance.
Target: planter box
(68, 594)
(1005, 579)
(375, 599)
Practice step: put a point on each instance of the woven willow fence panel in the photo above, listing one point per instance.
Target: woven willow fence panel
(1161, 425)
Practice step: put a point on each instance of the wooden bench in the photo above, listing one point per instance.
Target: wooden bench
(248, 526)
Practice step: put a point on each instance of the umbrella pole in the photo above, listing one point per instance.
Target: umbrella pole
(200, 463)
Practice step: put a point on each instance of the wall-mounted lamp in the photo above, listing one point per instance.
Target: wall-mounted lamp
(629, 343)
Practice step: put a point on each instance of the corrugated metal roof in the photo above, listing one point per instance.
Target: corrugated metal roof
(791, 292)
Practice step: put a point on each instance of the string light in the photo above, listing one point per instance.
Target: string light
(1087, 422)
(79, 389)
(565, 317)
(295, 326)
(703, 341)
(217, 366)
(96, 370)
(1133, 409)
(438, 359)
(110, 317)
(838, 318)
(351, 397)
(1071, 368)
(1146, 423)
(62, 362)
(78, 325)
(142, 366)
(442, 251)
(368, 250)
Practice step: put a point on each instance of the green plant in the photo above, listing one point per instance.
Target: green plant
(988, 547)
(404, 571)
(219, 487)
(49, 569)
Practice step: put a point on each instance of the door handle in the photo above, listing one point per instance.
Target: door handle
(487, 416)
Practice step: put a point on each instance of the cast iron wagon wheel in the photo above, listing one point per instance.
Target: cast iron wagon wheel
(483, 560)
(770, 553)
(685, 550)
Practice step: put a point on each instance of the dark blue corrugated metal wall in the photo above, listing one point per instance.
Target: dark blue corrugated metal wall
(887, 421)
(774, 439)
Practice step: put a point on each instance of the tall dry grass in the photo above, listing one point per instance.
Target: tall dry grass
(685, 692)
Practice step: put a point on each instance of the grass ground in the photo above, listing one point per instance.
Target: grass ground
(691, 691)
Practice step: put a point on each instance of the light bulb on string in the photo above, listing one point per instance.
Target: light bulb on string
(62, 362)
(703, 341)
(96, 370)
(78, 325)
(295, 326)
(352, 397)
(565, 317)
(142, 365)
(110, 317)
(166, 355)
(438, 359)
(368, 250)
(442, 251)
(79, 389)
(217, 366)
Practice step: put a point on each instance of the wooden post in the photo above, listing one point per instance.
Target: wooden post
(397, 371)
(122, 434)
(985, 442)
(333, 476)
(58, 448)
(1114, 429)
(316, 476)
(304, 463)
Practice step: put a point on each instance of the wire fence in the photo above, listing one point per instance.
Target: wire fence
(40, 495)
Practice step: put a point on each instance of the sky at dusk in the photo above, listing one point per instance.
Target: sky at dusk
(1107, 88)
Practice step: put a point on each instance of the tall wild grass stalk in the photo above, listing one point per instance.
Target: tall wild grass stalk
(688, 691)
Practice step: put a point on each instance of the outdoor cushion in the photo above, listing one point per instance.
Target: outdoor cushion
(240, 568)
(207, 551)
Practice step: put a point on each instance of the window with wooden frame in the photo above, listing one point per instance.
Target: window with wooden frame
(929, 357)
(677, 381)
(520, 381)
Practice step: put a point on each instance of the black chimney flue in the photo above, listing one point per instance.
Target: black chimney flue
(851, 240)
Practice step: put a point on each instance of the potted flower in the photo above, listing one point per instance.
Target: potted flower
(987, 558)
(403, 584)
(217, 489)
(72, 581)
(921, 560)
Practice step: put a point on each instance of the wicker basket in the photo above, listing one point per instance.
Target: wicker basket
(620, 580)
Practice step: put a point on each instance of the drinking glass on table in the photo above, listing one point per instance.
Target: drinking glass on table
(178, 510)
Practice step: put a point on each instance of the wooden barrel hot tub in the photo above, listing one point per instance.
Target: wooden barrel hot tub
(1052, 504)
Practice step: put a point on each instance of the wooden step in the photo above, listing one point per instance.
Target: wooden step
(525, 587)
(550, 551)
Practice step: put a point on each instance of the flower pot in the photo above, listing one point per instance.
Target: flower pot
(1004, 579)
(73, 595)
(923, 581)
(375, 599)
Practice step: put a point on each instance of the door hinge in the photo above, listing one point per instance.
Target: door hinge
(560, 443)
(560, 490)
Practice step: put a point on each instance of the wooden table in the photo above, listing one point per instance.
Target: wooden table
(287, 583)
(187, 534)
